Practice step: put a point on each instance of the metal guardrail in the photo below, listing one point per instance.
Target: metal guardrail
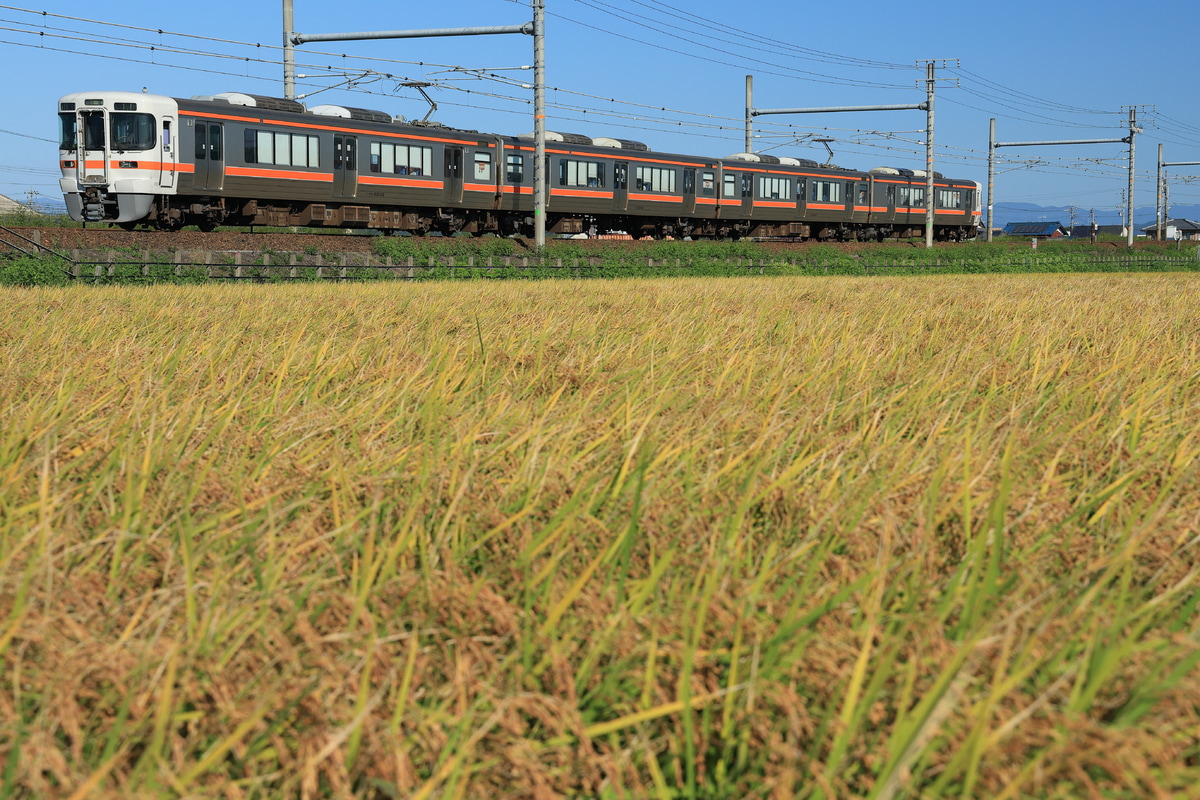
(30, 247)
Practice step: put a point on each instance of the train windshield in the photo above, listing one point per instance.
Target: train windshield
(66, 138)
(133, 132)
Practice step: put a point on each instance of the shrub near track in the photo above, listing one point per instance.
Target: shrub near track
(715, 538)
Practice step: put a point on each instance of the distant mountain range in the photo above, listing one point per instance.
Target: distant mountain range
(1005, 213)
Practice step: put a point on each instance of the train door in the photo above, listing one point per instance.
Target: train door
(747, 184)
(91, 141)
(454, 174)
(862, 201)
(689, 190)
(885, 198)
(210, 156)
(621, 186)
(515, 178)
(345, 166)
(166, 168)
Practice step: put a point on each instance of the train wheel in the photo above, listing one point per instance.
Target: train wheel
(126, 226)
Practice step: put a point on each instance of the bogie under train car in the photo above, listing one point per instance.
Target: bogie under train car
(237, 159)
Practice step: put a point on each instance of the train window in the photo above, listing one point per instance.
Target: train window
(949, 198)
(654, 179)
(299, 151)
(420, 160)
(266, 147)
(825, 192)
(283, 148)
(918, 196)
(707, 184)
(93, 131)
(401, 159)
(775, 188)
(580, 173)
(483, 166)
(516, 169)
(133, 132)
(214, 142)
(66, 139)
(730, 186)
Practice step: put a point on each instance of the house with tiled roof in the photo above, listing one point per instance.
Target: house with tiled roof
(1085, 231)
(1175, 229)
(1038, 230)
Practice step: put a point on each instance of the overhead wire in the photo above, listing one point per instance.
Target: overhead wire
(801, 52)
(762, 68)
(654, 123)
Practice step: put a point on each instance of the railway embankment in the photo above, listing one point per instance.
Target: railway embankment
(112, 255)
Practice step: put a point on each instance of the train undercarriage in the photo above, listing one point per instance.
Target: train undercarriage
(169, 213)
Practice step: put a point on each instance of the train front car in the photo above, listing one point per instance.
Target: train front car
(117, 153)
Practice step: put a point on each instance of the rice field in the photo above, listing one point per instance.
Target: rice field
(723, 538)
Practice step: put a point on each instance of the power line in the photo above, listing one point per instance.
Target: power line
(697, 122)
(813, 76)
(29, 136)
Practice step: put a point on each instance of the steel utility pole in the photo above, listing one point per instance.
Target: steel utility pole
(1133, 131)
(993, 144)
(539, 124)
(749, 117)
(289, 51)
(1159, 185)
(536, 28)
(927, 107)
(929, 84)
(1163, 213)
(991, 176)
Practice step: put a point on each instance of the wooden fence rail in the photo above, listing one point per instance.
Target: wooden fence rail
(256, 266)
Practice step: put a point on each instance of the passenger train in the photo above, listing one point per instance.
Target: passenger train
(135, 159)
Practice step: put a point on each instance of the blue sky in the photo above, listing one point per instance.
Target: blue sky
(670, 74)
